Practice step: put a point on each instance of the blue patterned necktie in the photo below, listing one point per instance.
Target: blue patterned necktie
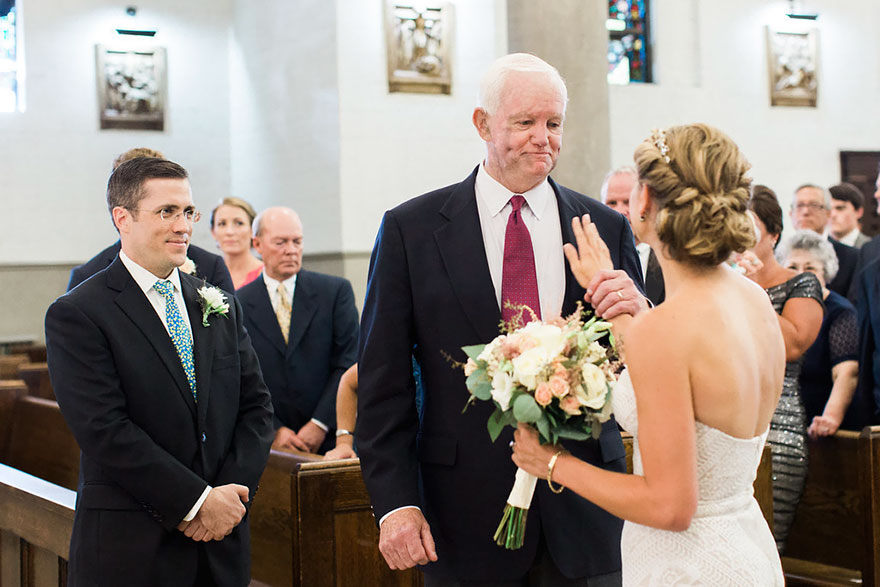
(180, 334)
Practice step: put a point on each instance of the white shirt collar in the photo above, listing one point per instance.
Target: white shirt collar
(272, 284)
(496, 196)
(144, 277)
(850, 238)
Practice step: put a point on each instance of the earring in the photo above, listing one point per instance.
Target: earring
(642, 217)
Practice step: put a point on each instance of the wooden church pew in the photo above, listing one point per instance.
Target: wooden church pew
(835, 538)
(36, 375)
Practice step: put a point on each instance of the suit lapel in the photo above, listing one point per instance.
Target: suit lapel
(305, 304)
(203, 342)
(262, 316)
(132, 301)
(573, 291)
(463, 252)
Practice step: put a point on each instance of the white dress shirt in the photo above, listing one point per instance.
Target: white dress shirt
(145, 280)
(290, 286)
(850, 237)
(541, 216)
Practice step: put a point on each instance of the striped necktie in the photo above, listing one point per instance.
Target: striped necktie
(180, 334)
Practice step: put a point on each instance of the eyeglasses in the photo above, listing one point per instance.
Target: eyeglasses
(808, 206)
(170, 215)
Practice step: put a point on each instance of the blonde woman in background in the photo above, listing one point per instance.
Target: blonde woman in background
(231, 223)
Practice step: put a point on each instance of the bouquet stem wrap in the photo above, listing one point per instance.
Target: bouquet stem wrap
(512, 529)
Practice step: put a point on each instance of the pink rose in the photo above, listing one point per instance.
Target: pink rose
(558, 386)
(560, 371)
(543, 395)
(570, 405)
(510, 348)
(470, 367)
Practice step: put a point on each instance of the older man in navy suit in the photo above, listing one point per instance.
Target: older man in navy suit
(442, 267)
(158, 381)
(305, 327)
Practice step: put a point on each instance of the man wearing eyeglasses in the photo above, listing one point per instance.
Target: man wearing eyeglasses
(204, 265)
(809, 211)
(158, 381)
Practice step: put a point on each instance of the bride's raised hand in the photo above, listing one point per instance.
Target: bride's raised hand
(591, 254)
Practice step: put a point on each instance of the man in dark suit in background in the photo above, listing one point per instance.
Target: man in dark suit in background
(616, 190)
(304, 326)
(441, 266)
(868, 308)
(809, 211)
(162, 389)
(204, 265)
(869, 252)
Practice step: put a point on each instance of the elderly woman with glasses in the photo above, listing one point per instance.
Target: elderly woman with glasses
(830, 369)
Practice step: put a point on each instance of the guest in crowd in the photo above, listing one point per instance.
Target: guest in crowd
(809, 211)
(197, 262)
(868, 310)
(869, 252)
(847, 208)
(797, 299)
(346, 416)
(442, 266)
(231, 223)
(830, 369)
(304, 326)
(165, 400)
(616, 191)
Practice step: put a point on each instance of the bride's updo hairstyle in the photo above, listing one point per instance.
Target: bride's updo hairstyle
(698, 177)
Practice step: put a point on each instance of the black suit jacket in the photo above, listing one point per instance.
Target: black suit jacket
(430, 293)
(209, 267)
(148, 449)
(868, 308)
(869, 252)
(848, 258)
(655, 286)
(304, 374)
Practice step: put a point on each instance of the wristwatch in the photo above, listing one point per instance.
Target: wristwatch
(343, 432)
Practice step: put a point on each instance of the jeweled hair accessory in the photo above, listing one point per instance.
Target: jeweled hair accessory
(659, 137)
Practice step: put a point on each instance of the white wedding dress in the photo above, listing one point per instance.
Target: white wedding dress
(728, 541)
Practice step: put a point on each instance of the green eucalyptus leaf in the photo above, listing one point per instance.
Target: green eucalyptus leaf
(526, 409)
(479, 385)
(473, 351)
(495, 424)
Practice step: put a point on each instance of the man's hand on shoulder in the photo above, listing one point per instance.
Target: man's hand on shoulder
(405, 539)
(222, 511)
(312, 436)
(285, 438)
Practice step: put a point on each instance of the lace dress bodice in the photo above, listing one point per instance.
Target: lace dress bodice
(728, 541)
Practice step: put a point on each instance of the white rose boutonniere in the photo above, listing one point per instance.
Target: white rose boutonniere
(212, 301)
(189, 266)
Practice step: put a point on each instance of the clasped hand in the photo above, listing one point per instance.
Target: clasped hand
(610, 291)
(221, 511)
(308, 439)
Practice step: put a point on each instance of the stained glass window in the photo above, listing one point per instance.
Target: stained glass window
(629, 42)
(10, 69)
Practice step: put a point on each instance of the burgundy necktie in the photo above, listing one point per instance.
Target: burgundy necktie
(519, 282)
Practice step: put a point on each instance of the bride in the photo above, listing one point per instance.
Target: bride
(704, 375)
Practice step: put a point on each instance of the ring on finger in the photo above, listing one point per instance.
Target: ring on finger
(619, 294)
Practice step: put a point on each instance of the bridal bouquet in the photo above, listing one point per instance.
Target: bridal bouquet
(557, 376)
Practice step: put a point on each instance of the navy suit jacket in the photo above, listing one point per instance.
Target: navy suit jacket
(304, 374)
(869, 252)
(868, 308)
(655, 285)
(848, 258)
(148, 449)
(209, 267)
(430, 293)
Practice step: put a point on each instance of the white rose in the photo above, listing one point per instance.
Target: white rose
(592, 393)
(189, 266)
(549, 337)
(213, 297)
(528, 365)
(594, 352)
(502, 389)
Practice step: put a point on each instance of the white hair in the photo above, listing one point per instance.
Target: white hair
(492, 84)
(815, 244)
(625, 170)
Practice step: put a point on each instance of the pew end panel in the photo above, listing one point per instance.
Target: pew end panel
(336, 534)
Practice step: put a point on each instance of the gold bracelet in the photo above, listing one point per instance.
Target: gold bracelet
(550, 466)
